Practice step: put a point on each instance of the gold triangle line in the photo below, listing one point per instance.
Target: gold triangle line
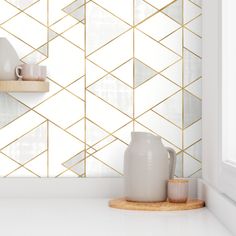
(71, 158)
(66, 14)
(144, 82)
(22, 165)
(24, 11)
(63, 129)
(159, 43)
(192, 123)
(63, 9)
(20, 11)
(192, 19)
(83, 5)
(195, 80)
(32, 108)
(75, 123)
(151, 5)
(78, 175)
(193, 94)
(22, 135)
(193, 32)
(67, 90)
(141, 62)
(12, 121)
(195, 172)
(63, 163)
(111, 13)
(171, 80)
(110, 41)
(195, 4)
(19, 168)
(107, 165)
(62, 88)
(157, 114)
(50, 121)
(193, 53)
(92, 156)
(195, 142)
(17, 37)
(161, 9)
(158, 104)
(172, 18)
(109, 73)
(104, 76)
(49, 41)
(99, 149)
(68, 168)
(156, 73)
(61, 34)
(183, 78)
(159, 73)
(109, 104)
(192, 157)
(47, 48)
(167, 119)
(85, 85)
(109, 133)
(158, 10)
(170, 34)
(158, 134)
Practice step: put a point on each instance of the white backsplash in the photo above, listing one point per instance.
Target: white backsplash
(113, 67)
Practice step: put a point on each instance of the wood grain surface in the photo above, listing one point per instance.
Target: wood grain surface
(121, 203)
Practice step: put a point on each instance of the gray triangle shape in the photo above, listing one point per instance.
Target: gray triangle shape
(142, 73)
(43, 50)
(78, 14)
(10, 109)
(179, 165)
(192, 109)
(192, 67)
(175, 11)
(51, 35)
(73, 6)
(142, 11)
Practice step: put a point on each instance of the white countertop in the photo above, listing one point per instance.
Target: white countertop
(92, 217)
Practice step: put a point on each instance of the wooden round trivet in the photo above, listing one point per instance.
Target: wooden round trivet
(121, 203)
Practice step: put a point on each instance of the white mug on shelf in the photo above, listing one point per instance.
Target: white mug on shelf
(31, 72)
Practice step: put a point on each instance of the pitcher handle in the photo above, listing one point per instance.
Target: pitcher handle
(172, 164)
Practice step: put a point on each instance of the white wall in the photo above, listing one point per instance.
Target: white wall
(210, 106)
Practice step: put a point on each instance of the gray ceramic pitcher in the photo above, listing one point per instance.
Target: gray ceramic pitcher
(147, 168)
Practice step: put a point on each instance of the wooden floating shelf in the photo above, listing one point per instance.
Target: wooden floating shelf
(121, 203)
(24, 86)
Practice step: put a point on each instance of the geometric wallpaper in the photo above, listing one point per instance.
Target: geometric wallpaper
(113, 67)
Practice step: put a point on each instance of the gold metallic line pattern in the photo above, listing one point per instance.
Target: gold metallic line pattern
(142, 94)
(85, 88)
(182, 164)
